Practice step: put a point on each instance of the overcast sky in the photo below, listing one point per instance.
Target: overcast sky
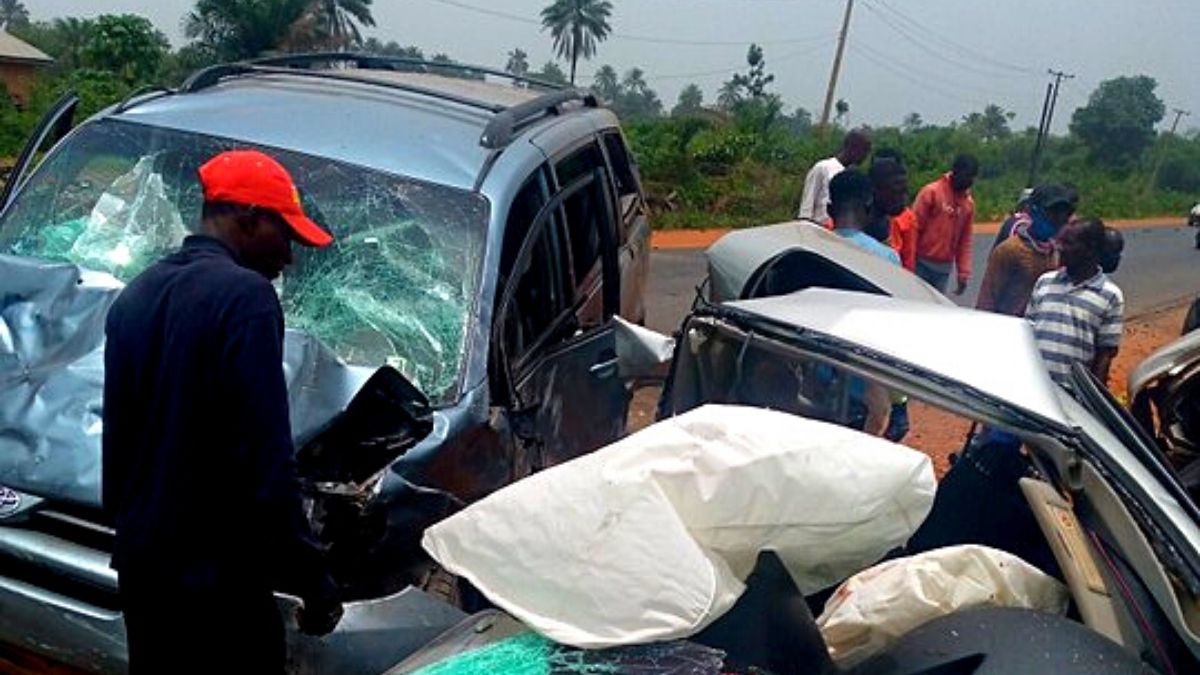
(940, 58)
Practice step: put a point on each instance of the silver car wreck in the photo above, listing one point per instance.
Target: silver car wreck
(1118, 527)
(487, 236)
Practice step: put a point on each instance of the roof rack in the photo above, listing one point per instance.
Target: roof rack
(212, 75)
(368, 61)
(142, 95)
(499, 132)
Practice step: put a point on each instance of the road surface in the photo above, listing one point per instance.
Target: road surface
(1160, 267)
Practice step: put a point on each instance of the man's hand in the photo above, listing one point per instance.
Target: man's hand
(962, 287)
(319, 617)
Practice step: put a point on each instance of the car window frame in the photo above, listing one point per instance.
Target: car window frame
(515, 365)
(611, 219)
(625, 216)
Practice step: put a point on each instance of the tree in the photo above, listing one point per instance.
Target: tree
(800, 122)
(453, 72)
(636, 99)
(729, 96)
(691, 100)
(755, 81)
(63, 39)
(843, 111)
(1117, 124)
(239, 29)
(13, 14)
(518, 63)
(577, 26)
(551, 73)
(126, 45)
(989, 125)
(337, 21)
(912, 122)
(607, 84)
(392, 48)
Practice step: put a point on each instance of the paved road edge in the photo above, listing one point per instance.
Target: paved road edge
(666, 240)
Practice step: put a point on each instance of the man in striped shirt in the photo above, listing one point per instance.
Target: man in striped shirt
(1077, 311)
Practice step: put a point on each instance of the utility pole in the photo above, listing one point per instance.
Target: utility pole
(1047, 120)
(1179, 114)
(837, 65)
(1162, 155)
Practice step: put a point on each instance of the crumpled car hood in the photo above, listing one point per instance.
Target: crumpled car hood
(52, 378)
(1165, 364)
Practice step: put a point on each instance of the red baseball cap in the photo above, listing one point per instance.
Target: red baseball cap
(252, 178)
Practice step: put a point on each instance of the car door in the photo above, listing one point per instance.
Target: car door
(558, 362)
(53, 126)
(632, 225)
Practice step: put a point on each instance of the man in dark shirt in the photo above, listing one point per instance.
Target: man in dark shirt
(199, 472)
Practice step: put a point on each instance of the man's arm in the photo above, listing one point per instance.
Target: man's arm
(965, 245)
(1103, 363)
(812, 189)
(257, 400)
(1108, 340)
(908, 243)
(995, 278)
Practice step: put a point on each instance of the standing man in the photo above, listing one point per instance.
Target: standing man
(198, 468)
(851, 203)
(945, 215)
(1077, 312)
(814, 205)
(891, 221)
(1020, 260)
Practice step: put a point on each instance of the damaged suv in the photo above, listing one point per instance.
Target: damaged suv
(487, 234)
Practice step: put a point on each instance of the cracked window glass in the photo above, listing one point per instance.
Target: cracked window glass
(397, 287)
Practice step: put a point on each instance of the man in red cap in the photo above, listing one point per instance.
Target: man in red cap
(199, 472)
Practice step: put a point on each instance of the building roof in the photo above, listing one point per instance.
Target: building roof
(14, 49)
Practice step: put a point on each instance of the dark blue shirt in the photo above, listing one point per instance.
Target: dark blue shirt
(199, 471)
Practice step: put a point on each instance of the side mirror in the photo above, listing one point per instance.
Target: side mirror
(642, 354)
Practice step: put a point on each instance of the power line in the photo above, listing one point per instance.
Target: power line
(926, 77)
(884, 62)
(924, 45)
(633, 38)
(951, 44)
(726, 71)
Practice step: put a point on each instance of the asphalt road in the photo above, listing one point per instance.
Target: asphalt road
(1160, 267)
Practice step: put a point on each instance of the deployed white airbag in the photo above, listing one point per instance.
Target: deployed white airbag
(650, 538)
(873, 608)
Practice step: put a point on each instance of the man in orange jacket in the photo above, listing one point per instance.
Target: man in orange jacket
(945, 214)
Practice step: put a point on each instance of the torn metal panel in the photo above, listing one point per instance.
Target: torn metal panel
(52, 378)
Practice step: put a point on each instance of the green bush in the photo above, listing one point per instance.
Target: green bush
(715, 170)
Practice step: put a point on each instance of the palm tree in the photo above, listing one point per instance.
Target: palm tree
(730, 95)
(237, 29)
(576, 26)
(607, 84)
(518, 63)
(13, 13)
(337, 20)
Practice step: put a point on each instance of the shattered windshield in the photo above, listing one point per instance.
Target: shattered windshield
(397, 287)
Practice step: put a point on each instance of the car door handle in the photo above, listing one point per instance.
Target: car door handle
(604, 369)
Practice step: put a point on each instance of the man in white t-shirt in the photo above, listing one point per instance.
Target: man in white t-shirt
(814, 205)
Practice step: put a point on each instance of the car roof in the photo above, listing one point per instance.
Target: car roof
(421, 135)
(1168, 361)
(989, 352)
(738, 257)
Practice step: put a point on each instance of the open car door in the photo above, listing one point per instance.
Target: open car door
(564, 389)
(53, 126)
